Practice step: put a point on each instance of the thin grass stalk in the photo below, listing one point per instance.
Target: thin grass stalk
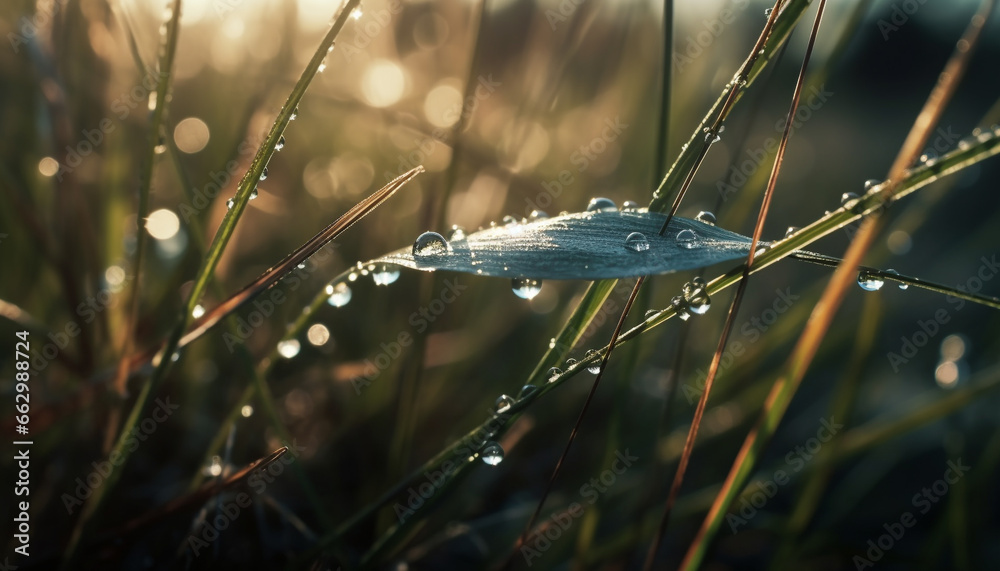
(222, 236)
(914, 180)
(822, 316)
(737, 298)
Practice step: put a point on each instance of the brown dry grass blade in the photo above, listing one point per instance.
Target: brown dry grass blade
(822, 316)
(197, 498)
(734, 307)
(271, 276)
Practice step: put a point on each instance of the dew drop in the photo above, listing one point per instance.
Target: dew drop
(686, 238)
(637, 242)
(289, 348)
(929, 158)
(696, 297)
(295, 114)
(322, 66)
(357, 13)
(711, 136)
(492, 453)
(767, 11)
(176, 356)
(230, 203)
(537, 215)
(526, 288)
(430, 244)
(705, 217)
(263, 174)
(280, 144)
(509, 220)
(570, 362)
(526, 391)
(847, 198)
(901, 285)
(680, 307)
(456, 233)
(791, 230)
(599, 204)
(869, 282)
(630, 205)
(594, 367)
(554, 372)
(253, 193)
(340, 294)
(503, 404)
(198, 311)
(385, 274)
(871, 183)
(651, 313)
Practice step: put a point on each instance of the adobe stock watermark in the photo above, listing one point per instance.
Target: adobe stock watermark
(140, 433)
(581, 158)
(559, 523)
(209, 530)
(928, 329)
(944, 141)
(202, 197)
(741, 173)
(419, 494)
(370, 24)
(922, 501)
(122, 106)
(423, 148)
(899, 16)
(751, 331)
(420, 320)
(696, 44)
(265, 304)
(751, 502)
(28, 27)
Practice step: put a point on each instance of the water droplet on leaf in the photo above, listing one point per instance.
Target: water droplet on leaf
(503, 404)
(686, 238)
(705, 217)
(526, 288)
(385, 274)
(637, 242)
(340, 294)
(599, 204)
(594, 367)
(869, 282)
(492, 453)
(429, 244)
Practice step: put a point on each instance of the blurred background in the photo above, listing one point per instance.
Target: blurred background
(510, 106)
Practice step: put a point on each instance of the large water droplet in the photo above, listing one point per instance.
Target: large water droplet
(637, 242)
(492, 453)
(871, 183)
(594, 367)
(526, 288)
(385, 274)
(340, 294)
(869, 282)
(599, 204)
(705, 217)
(289, 348)
(430, 244)
(503, 404)
(686, 238)
(901, 285)
(280, 144)
(696, 296)
(553, 373)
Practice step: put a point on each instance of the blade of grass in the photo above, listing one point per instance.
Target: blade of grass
(914, 180)
(787, 383)
(222, 236)
(713, 368)
(735, 87)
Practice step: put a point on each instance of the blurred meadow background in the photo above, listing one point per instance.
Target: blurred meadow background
(510, 106)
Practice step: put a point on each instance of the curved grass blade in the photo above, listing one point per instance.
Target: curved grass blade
(805, 349)
(914, 180)
(223, 234)
(584, 245)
